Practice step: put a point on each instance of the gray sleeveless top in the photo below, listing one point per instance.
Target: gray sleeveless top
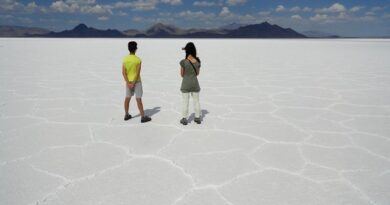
(190, 81)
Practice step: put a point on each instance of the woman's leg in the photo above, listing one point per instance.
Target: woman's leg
(184, 108)
(195, 97)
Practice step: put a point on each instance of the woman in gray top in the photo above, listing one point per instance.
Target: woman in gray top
(190, 68)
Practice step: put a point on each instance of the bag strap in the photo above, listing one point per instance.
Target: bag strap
(193, 67)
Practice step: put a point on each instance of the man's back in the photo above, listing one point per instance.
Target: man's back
(131, 63)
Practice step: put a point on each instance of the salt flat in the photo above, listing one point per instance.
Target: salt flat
(289, 122)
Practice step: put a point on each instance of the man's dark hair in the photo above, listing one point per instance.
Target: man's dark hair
(132, 46)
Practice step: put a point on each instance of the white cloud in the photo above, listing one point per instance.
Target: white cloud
(137, 19)
(62, 7)
(206, 3)
(295, 9)
(296, 17)
(386, 16)
(225, 11)
(319, 17)
(144, 5)
(370, 13)
(6, 16)
(140, 5)
(280, 8)
(172, 2)
(96, 9)
(235, 2)
(377, 8)
(336, 7)
(307, 9)
(121, 13)
(356, 8)
(103, 18)
(264, 13)
(10, 5)
(81, 6)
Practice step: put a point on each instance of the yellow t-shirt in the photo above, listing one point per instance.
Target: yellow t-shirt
(131, 63)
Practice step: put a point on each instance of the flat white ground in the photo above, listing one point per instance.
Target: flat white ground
(292, 122)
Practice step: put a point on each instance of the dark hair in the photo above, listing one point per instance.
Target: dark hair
(132, 46)
(191, 50)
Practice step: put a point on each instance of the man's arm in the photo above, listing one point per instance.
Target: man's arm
(182, 71)
(139, 72)
(124, 73)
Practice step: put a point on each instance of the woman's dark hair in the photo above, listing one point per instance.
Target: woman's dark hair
(191, 50)
(132, 46)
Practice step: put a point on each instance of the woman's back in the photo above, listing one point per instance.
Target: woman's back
(190, 81)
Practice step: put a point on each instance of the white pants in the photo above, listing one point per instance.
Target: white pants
(186, 99)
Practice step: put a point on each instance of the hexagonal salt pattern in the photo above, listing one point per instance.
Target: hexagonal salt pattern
(287, 122)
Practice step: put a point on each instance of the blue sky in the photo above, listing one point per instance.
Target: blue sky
(343, 17)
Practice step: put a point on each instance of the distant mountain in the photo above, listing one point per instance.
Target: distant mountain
(232, 26)
(160, 30)
(132, 32)
(19, 31)
(83, 31)
(264, 30)
(319, 34)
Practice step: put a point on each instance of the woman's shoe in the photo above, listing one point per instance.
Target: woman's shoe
(184, 121)
(127, 117)
(197, 120)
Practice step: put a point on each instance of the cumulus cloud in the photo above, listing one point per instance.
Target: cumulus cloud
(197, 15)
(307, 9)
(10, 5)
(319, 17)
(356, 8)
(82, 6)
(295, 9)
(225, 11)
(103, 18)
(280, 8)
(172, 2)
(235, 2)
(206, 3)
(377, 8)
(296, 17)
(264, 13)
(336, 7)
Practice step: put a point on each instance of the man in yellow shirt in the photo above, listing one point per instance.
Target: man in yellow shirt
(131, 71)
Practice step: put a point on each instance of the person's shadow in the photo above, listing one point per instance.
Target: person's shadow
(150, 112)
(202, 116)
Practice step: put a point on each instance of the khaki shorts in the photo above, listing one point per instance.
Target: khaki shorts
(137, 89)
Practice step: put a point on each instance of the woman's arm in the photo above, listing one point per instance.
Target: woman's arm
(182, 71)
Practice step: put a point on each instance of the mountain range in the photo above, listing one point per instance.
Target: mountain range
(159, 30)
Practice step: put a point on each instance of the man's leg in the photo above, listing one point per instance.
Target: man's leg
(126, 104)
(140, 107)
(138, 94)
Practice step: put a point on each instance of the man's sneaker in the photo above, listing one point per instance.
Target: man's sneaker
(145, 119)
(184, 121)
(197, 120)
(127, 117)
